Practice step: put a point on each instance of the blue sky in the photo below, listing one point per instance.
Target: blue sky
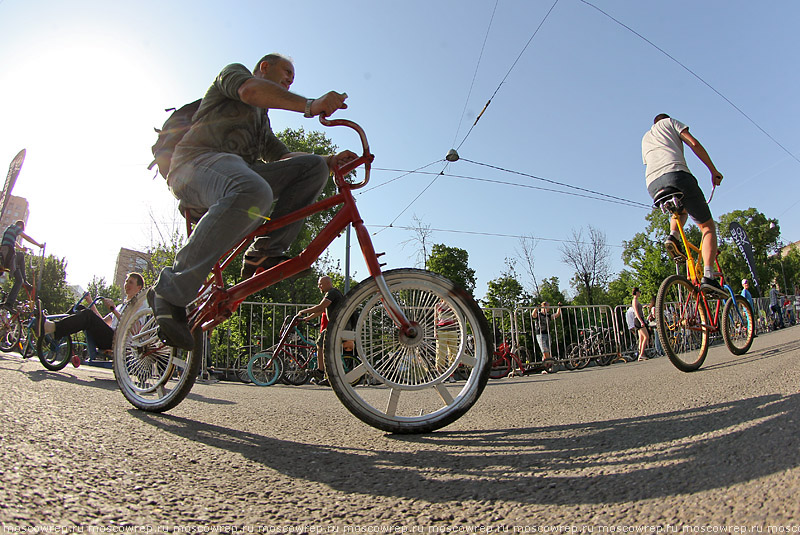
(85, 82)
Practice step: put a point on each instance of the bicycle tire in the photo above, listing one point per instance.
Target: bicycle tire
(413, 396)
(500, 367)
(240, 367)
(54, 354)
(10, 331)
(264, 369)
(738, 329)
(145, 367)
(682, 323)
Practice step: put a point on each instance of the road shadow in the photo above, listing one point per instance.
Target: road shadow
(649, 457)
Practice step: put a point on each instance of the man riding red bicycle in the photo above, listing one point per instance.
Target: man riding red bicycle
(231, 166)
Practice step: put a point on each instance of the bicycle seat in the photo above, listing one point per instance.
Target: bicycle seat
(669, 200)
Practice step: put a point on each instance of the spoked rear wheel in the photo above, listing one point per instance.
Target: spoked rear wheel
(738, 325)
(153, 376)
(54, 354)
(682, 323)
(411, 396)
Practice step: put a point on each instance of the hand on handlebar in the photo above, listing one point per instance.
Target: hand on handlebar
(338, 160)
(328, 103)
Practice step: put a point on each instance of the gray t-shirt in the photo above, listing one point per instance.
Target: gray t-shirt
(226, 124)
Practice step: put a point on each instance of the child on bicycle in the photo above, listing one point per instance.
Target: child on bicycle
(662, 153)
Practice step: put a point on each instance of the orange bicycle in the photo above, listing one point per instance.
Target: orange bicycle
(395, 333)
(683, 316)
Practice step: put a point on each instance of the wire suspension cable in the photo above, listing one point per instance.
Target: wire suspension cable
(507, 74)
(635, 203)
(690, 71)
(475, 74)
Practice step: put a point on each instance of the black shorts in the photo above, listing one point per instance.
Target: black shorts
(694, 201)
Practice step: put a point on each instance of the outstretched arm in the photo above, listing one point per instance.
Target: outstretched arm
(700, 152)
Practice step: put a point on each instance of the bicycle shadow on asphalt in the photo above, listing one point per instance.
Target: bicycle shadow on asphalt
(93, 381)
(648, 457)
(754, 355)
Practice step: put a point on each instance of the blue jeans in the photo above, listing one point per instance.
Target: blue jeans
(235, 197)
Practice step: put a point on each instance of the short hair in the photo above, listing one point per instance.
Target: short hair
(635, 290)
(745, 281)
(20, 223)
(659, 117)
(272, 59)
(138, 277)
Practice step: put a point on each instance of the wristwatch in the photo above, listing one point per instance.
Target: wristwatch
(309, 102)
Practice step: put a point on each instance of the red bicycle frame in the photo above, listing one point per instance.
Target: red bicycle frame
(216, 303)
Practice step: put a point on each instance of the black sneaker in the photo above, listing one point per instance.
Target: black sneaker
(712, 286)
(674, 249)
(173, 327)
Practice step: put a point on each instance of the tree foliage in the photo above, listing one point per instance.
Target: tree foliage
(453, 263)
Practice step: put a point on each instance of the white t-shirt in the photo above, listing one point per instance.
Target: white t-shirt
(630, 318)
(662, 149)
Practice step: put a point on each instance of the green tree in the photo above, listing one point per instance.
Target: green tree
(506, 291)
(56, 296)
(453, 263)
(549, 291)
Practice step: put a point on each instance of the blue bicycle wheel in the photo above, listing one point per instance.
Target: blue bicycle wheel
(264, 369)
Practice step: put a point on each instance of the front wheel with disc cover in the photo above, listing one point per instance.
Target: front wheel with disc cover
(410, 368)
(152, 375)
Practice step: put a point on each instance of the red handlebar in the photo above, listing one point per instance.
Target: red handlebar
(366, 158)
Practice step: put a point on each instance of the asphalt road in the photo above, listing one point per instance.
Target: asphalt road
(602, 449)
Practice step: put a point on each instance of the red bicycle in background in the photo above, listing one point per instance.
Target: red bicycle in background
(395, 333)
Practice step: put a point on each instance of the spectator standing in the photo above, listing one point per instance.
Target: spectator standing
(640, 325)
(325, 309)
(775, 306)
(542, 321)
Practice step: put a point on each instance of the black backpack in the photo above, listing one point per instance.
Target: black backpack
(175, 127)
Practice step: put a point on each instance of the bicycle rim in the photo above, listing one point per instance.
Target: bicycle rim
(682, 323)
(411, 396)
(153, 376)
(738, 325)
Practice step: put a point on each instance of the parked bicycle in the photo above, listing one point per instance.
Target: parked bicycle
(684, 317)
(394, 331)
(595, 343)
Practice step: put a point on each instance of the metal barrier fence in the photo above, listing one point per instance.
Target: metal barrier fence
(574, 334)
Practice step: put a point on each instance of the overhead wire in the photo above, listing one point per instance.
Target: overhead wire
(690, 71)
(475, 74)
(485, 106)
(602, 197)
(482, 111)
(491, 234)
